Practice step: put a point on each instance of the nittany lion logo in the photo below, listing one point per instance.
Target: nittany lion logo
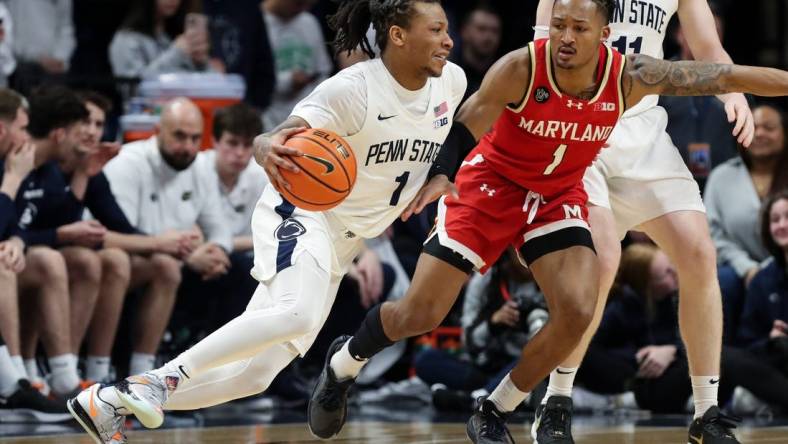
(289, 229)
(541, 95)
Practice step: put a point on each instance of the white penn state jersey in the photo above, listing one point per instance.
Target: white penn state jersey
(639, 27)
(394, 146)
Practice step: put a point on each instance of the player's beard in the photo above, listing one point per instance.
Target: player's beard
(178, 162)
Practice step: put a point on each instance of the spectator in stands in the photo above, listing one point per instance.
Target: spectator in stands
(240, 40)
(155, 39)
(638, 345)
(7, 59)
(745, 180)
(481, 39)
(300, 54)
(229, 168)
(16, 159)
(698, 125)
(43, 41)
(764, 324)
(160, 191)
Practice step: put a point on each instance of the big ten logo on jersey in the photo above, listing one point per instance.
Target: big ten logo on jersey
(640, 12)
(400, 150)
(604, 106)
(441, 119)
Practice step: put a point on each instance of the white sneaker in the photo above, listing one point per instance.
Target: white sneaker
(98, 417)
(144, 395)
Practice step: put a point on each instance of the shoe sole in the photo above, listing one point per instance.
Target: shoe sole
(331, 350)
(149, 417)
(83, 419)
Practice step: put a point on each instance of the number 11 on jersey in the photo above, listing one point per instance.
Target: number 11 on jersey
(558, 156)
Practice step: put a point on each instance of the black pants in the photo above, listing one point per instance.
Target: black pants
(606, 372)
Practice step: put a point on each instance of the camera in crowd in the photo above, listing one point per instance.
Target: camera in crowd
(533, 313)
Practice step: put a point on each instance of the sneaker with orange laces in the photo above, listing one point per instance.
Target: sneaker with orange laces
(97, 416)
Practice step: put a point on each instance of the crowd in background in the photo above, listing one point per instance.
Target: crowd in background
(114, 258)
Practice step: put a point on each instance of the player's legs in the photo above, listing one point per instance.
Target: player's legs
(608, 249)
(571, 303)
(684, 236)
(115, 278)
(234, 380)
(83, 266)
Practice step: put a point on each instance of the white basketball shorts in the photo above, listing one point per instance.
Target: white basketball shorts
(641, 175)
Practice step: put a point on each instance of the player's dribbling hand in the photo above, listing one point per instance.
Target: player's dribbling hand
(738, 110)
(438, 186)
(271, 154)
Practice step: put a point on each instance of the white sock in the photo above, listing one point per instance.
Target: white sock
(344, 364)
(141, 363)
(31, 368)
(704, 392)
(19, 365)
(561, 381)
(507, 396)
(64, 378)
(9, 374)
(97, 368)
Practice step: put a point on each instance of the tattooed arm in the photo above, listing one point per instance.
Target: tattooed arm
(646, 75)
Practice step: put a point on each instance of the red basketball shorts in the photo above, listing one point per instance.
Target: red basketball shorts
(493, 212)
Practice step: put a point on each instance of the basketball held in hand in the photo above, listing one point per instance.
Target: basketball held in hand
(328, 170)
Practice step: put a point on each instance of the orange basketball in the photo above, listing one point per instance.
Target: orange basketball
(328, 170)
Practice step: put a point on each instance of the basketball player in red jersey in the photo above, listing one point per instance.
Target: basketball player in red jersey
(552, 106)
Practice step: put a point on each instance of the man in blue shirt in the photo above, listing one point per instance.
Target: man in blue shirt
(17, 397)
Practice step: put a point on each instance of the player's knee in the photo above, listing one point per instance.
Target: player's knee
(168, 270)
(46, 264)
(416, 320)
(699, 259)
(84, 265)
(575, 313)
(303, 320)
(115, 265)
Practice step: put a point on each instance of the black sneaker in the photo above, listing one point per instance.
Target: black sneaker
(488, 425)
(28, 405)
(713, 428)
(327, 409)
(553, 422)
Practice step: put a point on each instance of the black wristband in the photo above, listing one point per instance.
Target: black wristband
(458, 144)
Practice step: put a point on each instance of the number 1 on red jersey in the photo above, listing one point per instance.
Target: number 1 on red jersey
(558, 156)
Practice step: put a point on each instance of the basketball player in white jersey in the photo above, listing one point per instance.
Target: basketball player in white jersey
(640, 181)
(395, 112)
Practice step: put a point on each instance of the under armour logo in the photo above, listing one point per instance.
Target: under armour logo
(573, 104)
(490, 192)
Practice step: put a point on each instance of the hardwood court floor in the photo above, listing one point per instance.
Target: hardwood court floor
(407, 433)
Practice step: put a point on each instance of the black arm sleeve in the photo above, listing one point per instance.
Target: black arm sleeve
(102, 204)
(458, 144)
(7, 216)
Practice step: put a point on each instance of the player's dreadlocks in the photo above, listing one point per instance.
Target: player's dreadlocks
(354, 17)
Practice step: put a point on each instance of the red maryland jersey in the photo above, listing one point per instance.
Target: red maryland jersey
(546, 143)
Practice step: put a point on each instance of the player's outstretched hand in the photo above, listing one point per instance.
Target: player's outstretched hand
(271, 154)
(738, 110)
(438, 186)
